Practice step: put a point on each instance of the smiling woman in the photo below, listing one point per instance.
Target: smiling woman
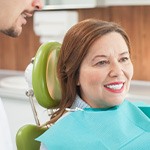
(95, 71)
(106, 72)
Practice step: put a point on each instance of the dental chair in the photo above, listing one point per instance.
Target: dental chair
(45, 88)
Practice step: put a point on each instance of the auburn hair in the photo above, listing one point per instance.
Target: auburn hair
(75, 46)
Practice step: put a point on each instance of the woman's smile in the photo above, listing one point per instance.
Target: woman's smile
(115, 87)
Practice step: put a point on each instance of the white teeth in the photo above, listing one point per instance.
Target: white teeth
(24, 15)
(115, 87)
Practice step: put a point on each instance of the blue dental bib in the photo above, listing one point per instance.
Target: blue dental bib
(122, 127)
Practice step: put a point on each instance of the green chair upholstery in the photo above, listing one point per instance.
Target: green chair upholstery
(26, 135)
(46, 91)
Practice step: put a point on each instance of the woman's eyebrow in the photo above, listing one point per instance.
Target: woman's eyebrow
(105, 56)
(126, 52)
(102, 56)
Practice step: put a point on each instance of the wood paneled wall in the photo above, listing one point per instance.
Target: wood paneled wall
(136, 21)
(16, 53)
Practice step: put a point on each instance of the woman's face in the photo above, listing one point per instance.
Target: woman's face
(106, 72)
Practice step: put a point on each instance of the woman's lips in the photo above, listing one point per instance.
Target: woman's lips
(115, 87)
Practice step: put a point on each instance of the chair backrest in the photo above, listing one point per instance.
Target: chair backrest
(46, 90)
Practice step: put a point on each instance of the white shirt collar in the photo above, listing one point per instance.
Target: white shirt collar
(79, 103)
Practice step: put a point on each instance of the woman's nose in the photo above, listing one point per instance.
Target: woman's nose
(116, 69)
(37, 4)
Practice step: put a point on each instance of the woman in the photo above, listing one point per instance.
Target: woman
(95, 71)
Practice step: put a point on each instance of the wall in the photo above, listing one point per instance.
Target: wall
(15, 54)
(136, 21)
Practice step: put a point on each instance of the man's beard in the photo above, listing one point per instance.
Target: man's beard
(11, 32)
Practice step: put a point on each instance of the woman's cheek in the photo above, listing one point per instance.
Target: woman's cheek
(92, 77)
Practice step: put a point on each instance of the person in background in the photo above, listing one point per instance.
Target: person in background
(95, 71)
(13, 15)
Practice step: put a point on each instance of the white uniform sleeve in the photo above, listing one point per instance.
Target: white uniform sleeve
(5, 138)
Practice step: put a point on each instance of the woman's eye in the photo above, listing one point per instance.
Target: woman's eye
(103, 62)
(124, 59)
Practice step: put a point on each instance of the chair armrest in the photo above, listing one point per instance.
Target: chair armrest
(26, 135)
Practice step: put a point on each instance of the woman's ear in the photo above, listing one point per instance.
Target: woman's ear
(78, 83)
